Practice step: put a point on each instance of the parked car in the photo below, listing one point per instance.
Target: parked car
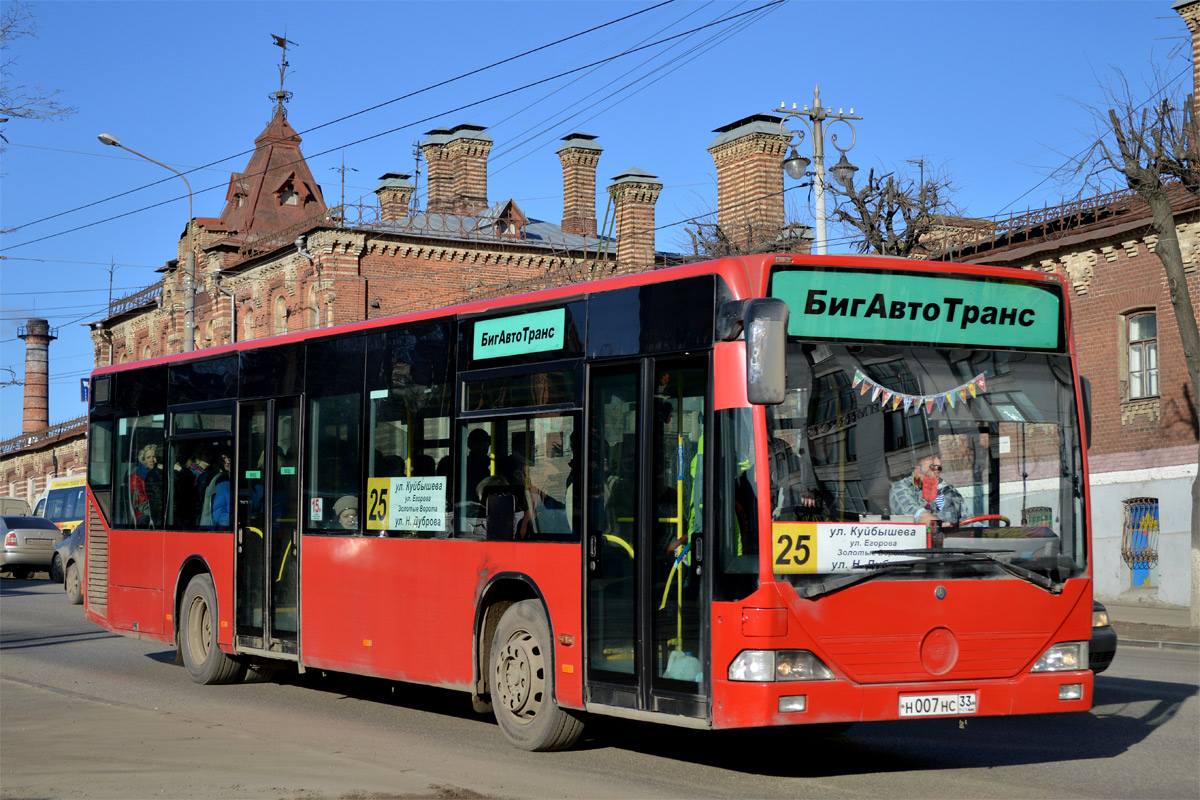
(1104, 640)
(67, 566)
(28, 544)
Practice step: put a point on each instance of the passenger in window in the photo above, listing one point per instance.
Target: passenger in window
(184, 492)
(215, 510)
(924, 496)
(146, 488)
(203, 472)
(544, 514)
(345, 511)
(479, 462)
(423, 466)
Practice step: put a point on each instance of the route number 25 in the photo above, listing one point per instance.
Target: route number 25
(791, 550)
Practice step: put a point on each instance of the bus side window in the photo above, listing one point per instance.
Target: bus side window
(334, 370)
(529, 491)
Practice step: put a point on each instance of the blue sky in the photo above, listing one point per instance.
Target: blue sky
(990, 93)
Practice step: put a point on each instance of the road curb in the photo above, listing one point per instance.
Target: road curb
(1157, 645)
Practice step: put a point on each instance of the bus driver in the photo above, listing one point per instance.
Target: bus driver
(924, 496)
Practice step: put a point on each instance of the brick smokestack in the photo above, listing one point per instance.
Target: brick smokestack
(579, 156)
(634, 194)
(749, 155)
(37, 335)
(394, 195)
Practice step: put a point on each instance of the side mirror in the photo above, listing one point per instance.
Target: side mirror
(766, 348)
(1085, 391)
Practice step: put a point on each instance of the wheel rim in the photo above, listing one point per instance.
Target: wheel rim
(521, 676)
(199, 630)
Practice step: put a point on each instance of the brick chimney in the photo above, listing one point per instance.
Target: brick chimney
(748, 155)
(37, 335)
(579, 156)
(394, 194)
(634, 194)
(457, 160)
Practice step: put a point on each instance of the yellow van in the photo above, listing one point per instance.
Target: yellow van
(62, 502)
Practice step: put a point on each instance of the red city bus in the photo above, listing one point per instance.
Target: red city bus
(759, 491)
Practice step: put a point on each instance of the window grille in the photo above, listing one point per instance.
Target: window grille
(1139, 537)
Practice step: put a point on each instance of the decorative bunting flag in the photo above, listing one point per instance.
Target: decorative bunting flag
(892, 400)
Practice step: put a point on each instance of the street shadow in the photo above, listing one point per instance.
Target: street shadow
(1126, 712)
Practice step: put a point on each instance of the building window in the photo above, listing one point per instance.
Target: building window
(1139, 541)
(1143, 356)
(289, 197)
(314, 309)
(279, 320)
(248, 322)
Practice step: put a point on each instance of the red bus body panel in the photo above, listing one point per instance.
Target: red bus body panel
(409, 611)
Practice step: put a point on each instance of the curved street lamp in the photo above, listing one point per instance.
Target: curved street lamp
(796, 165)
(189, 314)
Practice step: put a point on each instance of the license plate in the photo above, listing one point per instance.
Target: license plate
(937, 705)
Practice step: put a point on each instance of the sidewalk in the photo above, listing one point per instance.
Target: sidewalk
(1152, 626)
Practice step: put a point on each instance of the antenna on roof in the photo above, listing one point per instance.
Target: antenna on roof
(282, 96)
(412, 203)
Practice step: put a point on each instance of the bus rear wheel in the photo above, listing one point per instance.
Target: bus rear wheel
(202, 656)
(521, 670)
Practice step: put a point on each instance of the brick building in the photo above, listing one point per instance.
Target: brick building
(1144, 430)
(1143, 456)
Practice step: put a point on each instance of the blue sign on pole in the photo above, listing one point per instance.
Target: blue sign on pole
(83, 389)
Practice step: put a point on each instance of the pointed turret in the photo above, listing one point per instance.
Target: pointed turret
(277, 189)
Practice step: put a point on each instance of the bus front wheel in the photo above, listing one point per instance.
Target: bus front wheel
(522, 682)
(198, 635)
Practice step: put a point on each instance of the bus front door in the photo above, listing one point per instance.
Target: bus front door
(646, 591)
(267, 538)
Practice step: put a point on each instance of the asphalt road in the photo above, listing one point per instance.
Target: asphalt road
(86, 713)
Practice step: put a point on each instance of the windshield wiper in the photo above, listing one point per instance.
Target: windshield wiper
(967, 555)
(931, 556)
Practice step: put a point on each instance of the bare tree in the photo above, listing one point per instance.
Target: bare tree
(18, 100)
(1152, 145)
(894, 214)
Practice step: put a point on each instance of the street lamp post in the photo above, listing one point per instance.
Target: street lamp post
(796, 165)
(189, 314)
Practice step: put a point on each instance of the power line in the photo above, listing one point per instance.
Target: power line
(429, 118)
(375, 107)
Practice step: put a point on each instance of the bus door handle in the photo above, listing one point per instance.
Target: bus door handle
(697, 551)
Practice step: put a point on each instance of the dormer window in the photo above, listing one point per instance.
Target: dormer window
(289, 197)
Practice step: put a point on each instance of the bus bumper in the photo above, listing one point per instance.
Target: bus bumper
(739, 704)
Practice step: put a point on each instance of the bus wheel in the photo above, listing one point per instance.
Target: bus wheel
(198, 631)
(522, 682)
(74, 585)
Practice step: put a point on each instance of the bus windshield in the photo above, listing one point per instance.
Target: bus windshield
(875, 442)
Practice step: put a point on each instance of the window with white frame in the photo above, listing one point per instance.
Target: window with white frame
(1143, 355)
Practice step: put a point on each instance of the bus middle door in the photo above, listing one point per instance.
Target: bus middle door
(267, 533)
(646, 592)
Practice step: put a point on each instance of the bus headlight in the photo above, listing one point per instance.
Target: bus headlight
(778, 665)
(1063, 657)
